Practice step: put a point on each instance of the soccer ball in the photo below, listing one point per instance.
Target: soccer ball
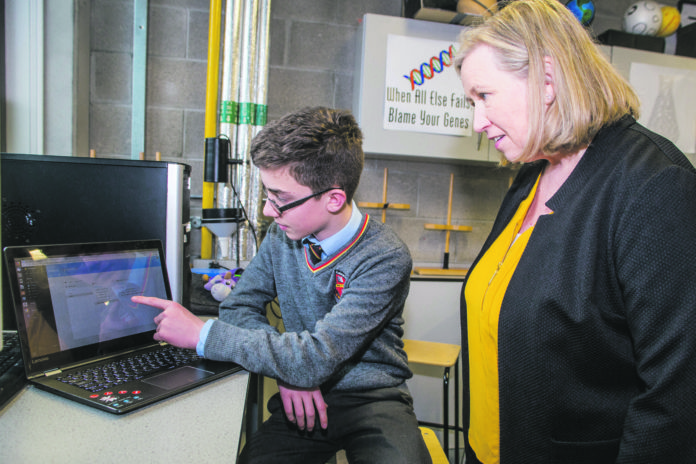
(643, 18)
(584, 10)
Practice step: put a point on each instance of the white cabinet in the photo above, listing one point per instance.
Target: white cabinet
(431, 313)
(666, 85)
(377, 103)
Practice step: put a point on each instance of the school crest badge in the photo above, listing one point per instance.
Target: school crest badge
(340, 284)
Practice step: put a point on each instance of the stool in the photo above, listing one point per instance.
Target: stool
(437, 454)
(443, 355)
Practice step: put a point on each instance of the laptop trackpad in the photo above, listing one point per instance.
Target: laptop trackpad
(178, 377)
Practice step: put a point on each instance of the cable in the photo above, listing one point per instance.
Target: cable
(251, 226)
(239, 199)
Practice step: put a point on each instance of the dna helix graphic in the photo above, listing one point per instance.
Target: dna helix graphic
(428, 70)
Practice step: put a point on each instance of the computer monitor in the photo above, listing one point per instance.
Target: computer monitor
(66, 199)
(2, 272)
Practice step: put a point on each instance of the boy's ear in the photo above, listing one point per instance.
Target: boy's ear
(337, 198)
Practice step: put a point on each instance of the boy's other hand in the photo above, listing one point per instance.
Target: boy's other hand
(300, 405)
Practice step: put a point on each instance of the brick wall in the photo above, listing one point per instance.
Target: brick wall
(312, 57)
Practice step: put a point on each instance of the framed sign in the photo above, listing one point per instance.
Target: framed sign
(422, 89)
(408, 97)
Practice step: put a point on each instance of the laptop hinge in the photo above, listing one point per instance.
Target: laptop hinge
(52, 372)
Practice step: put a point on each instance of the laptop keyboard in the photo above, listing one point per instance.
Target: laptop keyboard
(128, 369)
(10, 354)
(12, 375)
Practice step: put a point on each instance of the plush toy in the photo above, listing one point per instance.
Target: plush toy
(222, 284)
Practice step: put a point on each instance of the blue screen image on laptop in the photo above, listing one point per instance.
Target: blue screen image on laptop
(90, 297)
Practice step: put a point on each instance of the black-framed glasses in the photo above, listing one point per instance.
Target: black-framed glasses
(281, 209)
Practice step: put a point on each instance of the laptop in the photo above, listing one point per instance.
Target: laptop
(83, 338)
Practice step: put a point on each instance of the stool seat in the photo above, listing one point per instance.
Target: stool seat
(432, 353)
(443, 355)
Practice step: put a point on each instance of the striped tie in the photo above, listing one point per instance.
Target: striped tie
(314, 251)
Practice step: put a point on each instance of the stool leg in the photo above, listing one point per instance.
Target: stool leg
(445, 408)
(456, 411)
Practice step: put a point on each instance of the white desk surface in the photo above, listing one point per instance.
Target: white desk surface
(201, 425)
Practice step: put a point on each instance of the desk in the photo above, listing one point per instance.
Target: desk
(201, 425)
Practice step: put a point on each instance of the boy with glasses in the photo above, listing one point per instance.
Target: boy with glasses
(341, 279)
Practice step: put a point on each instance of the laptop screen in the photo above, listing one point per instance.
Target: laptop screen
(73, 302)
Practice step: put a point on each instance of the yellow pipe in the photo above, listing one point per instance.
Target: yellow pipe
(211, 107)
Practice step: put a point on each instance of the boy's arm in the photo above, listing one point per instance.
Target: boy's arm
(371, 300)
(246, 304)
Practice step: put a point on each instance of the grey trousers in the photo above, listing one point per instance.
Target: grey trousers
(377, 426)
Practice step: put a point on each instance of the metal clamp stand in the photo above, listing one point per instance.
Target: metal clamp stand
(222, 222)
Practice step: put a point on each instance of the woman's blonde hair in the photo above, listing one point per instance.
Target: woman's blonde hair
(589, 92)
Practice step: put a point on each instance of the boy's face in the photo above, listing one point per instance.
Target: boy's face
(310, 217)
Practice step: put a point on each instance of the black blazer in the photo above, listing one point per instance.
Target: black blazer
(597, 330)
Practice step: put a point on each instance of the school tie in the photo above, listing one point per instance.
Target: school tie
(314, 251)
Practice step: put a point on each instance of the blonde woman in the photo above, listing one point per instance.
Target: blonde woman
(579, 314)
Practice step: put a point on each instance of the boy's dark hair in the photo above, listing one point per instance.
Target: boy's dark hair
(322, 147)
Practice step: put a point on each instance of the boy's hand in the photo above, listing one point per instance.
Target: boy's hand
(300, 404)
(175, 324)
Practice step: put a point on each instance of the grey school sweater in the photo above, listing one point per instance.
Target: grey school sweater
(343, 317)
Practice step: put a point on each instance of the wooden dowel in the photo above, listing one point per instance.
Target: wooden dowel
(367, 204)
(384, 196)
(384, 205)
(439, 272)
(448, 227)
(449, 213)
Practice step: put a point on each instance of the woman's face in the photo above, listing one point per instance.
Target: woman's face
(499, 99)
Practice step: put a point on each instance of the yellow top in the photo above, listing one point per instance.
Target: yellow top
(484, 294)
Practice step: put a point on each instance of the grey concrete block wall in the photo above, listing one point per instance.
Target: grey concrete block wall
(312, 57)
(424, 186)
